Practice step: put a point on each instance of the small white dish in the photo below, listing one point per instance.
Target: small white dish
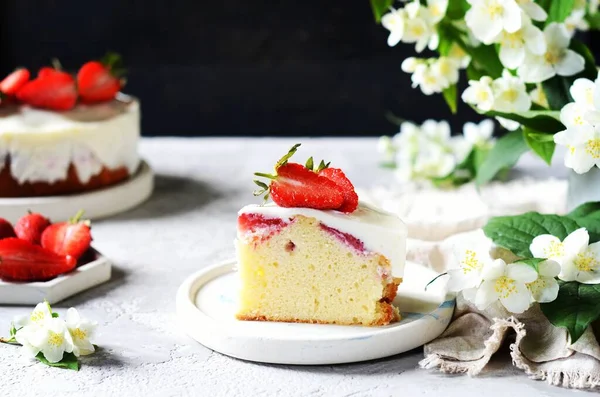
(83, 277)
(96, 204)
(206, 305)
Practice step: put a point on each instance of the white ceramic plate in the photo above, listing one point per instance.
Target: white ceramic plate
(84, 277)
(97, 204)
(206, 304)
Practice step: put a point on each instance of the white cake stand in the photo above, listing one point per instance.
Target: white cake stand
(97, 204)
(206, 307)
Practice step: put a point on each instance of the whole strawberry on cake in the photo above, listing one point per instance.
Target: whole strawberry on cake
(316, 254)
(63, 133)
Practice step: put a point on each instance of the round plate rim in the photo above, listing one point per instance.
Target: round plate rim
(185, 306)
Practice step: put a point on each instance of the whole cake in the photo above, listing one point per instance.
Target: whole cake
(63, 134)
(317, 255)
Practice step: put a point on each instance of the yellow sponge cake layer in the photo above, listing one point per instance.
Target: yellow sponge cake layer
(298, 269)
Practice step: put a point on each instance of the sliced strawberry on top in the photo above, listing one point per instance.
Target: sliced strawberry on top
(54, 91)
(47, 71)
(21, 260)
(31, 226)
(6, 229)
(72, 238)
(297, 186)
(14, 81)
(101, 81)
(350, 197)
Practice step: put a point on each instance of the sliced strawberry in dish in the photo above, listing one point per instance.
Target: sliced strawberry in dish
(14, 81)
(72, 238)
(31, 226)
(23, 261)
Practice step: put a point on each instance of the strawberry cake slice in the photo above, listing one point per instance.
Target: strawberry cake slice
(317, 255)
(63, 134)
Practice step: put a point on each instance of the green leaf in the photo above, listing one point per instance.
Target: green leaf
(559, 10)
(545, 149)
(380, 7)
(557, 91)
(594, 21)
(310, 163)
(533, 262)
(457, 9)
(516, 233)
(69, 361)
(591, 70)
(588, 215)
(540, 136)
(286, 157)
(575, 308)
(547, 121)
(504, 154)
(591, 208)
(450, 97)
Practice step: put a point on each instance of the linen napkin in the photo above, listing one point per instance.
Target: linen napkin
(541, 350)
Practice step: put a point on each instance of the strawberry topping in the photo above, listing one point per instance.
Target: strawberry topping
(350, 197)
(14, 81)
(100, 81)
(297, 185)
(21, 260)
(54, 91)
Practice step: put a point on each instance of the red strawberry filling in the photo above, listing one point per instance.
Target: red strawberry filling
(256, 227)
(345, 238)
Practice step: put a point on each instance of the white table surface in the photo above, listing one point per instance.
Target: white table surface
(189, 223)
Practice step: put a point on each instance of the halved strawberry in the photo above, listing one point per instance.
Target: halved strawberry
(14, 81)
(54, 91)
(100, 81)
(350, 197)
(6, 229)
(22, 261)
(294, 185)
(72, 238)
(31, 226)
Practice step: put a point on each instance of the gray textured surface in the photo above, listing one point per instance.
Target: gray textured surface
(188, 224)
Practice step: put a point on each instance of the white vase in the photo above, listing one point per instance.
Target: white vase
(583, 188)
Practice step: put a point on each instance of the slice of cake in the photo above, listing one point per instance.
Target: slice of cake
(316, 255)
(63, 134)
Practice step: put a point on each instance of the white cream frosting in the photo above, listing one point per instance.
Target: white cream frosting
(42, 144)
(379, 231)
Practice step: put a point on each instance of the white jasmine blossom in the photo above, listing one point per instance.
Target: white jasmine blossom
(576, 21)
(434, 162)
(394, 21)
(533, 10)
(488, 18)
(81, 330)
(513, 46)
(480, 94)
(447, 70)
(508, 124)
(558, 58)
(385, 146)
(507, 284)
(460, 148)
(428, 80)
(418, 27)
(458, 53)
(583, 144)
(579, 260)
(467, 275)
(583, 92)
(40, 314)
(437, 131)
(510, 94)
(409, 65)
(52, 339)
(545, 288)
(437, 10)
(479, 135)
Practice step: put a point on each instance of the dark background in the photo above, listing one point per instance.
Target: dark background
(238, 67)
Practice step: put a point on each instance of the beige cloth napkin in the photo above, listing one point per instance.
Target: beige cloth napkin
(541, 350)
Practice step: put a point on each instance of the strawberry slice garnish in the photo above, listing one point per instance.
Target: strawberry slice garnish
(350, 197)
(21, 260)
(72, 238)
(296, 185)
(6, 229)
(100, 81)
(31, 226)
(54, 91)
(14, 81)
(47, 71)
